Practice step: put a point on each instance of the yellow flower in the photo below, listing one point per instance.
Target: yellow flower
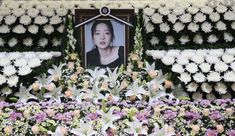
(73, 56)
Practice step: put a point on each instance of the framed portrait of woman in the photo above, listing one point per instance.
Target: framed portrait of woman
(105, 36)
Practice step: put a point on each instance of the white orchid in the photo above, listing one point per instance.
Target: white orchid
(85, 129)
(24, 94)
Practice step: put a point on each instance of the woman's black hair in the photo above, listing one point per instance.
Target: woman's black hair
(107, 22)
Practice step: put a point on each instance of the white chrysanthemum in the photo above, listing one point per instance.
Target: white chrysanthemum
(206, 27)
(2, 42)
(182, 60)
(4, 61)
(1, 18)
(214, 77)
(221, 66)
(233, 8)
(154, 40)
(40, 20)
(185, 18)
(34, 62)
(14, 55)
(228, 58)
(193, 27)
(9, 70)
(33, 29)
(148, 11)
(164, 27)
(4, 11)
(178, 11)
(47, 12)
(191, 68)
(185, 78)
(233, 86)
(28, 42)
(20, 62)
(55, 20)
(170, 40)
(173, 53)
(229, 76)
(221, 8)
(197, 96)
(206, 10)
(168, 60)
(25, 70)
(198, 59)
(45, 55)
(221, 88)
(184, 39)
(178, 27)
(199, 17)
(212, 59)
(172, 18)
(211, 97)
(12, 81)
(188, 54)
(216, 52)
(207, 88)
(149, 27)
(192, 87)
(229, 16)
(29, 55)
(228, 37)
(25, 20)
(205, 67)
(27, 5)
(10, 19)
(61, 12)
(48, 29)
(55, 5)
(212, 38)
(55, 54)
(201, 52)
(214, 17)
(146, 19)
(2, 79)
(177, 68)
(18, 12)
(19, 29)
(60, 29)
(56, 42)
(32, 12)
(198, 39)
(193, 10)
(220, 26)
(233, 25)
(43, 42)
(4, 29)
(159, 54)
(230, 51)
(164, 11)
(226, 96)
(12, 42)
(156, 18)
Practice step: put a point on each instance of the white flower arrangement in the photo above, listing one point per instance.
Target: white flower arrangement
(192, 87)
(221, 9)
(169, 40)
(178, 11)
(198, 59)
(185, 78)
(173, 53)
(33, 29)
(20, 62)
(172, 18)
(229, 76)
(164, 10)
(2, 42)
(61, 12)
(193, 27)
(55, 20)
(233, 86)
(207, 88)
(177, 68)
(221, 66)
(48, 29)
(206, 27)
(214, 77)
(25, 20)
(149, 11)
(10, 19)
(192, 10)
(149, 27)
(13, 80)
(198, 39)
(9, 70)
(206, 10)
(199, 17)
(25, 70)
(228, 37)
(229, 16)
(4, 11)
(4, 61)
(221, 88)
(220, 26)
(154, 40)
(42, 42)
(182, 61)
(48, 12)
(19, 29)
(14, 55)
(185, 18)
(156, 18)
(12, 42)
(56, 42)
(28, 42)
(168, 60)
(1, 18)
(40, 20)
(214, 17)
(18, 12)
(164, 27)
(205, 67)
(184, 39)
(178, 27)
(212, 39)
(32, 12)
(2, 79)
(191, 68)
(227, 58)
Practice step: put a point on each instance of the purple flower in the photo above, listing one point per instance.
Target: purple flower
(169, 114)
(40, 117)
(14, 116)
(93, 116)
(215, 115)
(205, 103)
(142, 115)
(192, 116)
(231, 132)
(120, 113)
(66, 117)
(2, 104)
(210, 132)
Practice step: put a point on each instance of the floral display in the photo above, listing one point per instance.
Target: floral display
(118, 118)
(16, 64)
(201, 70)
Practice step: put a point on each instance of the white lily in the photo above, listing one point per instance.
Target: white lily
(58, 132)
(107, 119)
(56, 71)
(96, 74)
(136, 90)
(85, 129)
(24, 94)
(113, 76)
(135, 128)
(161, 132)
(42, 80)
(94, 93)
(77, 94)
(55, 94)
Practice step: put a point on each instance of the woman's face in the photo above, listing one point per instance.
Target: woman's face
(102, 36)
